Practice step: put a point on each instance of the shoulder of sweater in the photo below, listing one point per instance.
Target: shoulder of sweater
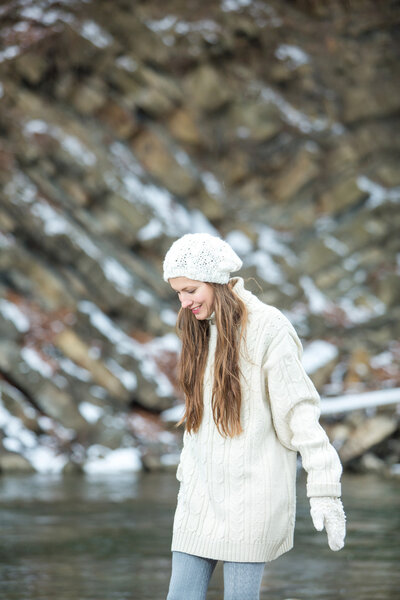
(268, 326)
(263, 319)
(266, 315)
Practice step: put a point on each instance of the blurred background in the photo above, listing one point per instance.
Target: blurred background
(124, 125)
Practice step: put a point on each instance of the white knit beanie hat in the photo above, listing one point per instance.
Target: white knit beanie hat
(202, 257)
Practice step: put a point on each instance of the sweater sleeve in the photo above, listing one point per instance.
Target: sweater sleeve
(295, 407)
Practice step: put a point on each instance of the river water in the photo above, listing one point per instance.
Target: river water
(108, 538)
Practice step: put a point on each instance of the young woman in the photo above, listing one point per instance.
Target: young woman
(250, 407)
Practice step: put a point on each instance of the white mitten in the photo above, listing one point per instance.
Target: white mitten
(328, 512)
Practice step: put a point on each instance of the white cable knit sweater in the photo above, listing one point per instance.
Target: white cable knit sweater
(236, 500)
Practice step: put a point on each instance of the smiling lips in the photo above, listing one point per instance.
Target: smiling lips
(195, 310)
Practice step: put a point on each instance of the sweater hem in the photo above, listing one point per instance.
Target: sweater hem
(264, 551)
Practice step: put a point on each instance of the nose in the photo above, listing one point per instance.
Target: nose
(186, 303)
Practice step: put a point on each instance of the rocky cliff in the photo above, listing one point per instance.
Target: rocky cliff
(126, 124)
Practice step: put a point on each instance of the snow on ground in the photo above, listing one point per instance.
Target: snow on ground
(123, 280)
(22, 440)
(270, 244)
(233, 5)
(16, 434)
(36, 362)
(127, 63)
(44, 14)
(168, 216)
(275, 243)
(11, 312)
(359, 313)
(95, 34)
(334, 244)
(350, 402)
(127, 378)
(384, 359)
(240, 242)
(145, 354)
(295, 57)
(105, 461)
(55, 223)
(377, 193)
(169, 316)
(68, 366)
(71, 144)
(161, 24)
(266, 267)
(296, 118)
(211, 183)
(9, 53)
(317, 354)
(46, 460)
(317, 301)
(90, 412)
(170, 460)
(174, 414)
(170, 24)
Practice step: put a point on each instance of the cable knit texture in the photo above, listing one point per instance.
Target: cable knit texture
(201, 256)
(329, 513)
(236, 500)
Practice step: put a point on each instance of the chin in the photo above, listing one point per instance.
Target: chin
(201, 317)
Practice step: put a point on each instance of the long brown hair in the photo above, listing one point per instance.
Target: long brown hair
(230, 319)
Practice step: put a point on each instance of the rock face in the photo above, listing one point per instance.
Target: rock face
(122, 128)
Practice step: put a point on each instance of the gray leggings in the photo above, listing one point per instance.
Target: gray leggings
(191, 575)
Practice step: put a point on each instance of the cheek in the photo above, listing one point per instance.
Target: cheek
(210, 298)
(204, 297)
(199, 298)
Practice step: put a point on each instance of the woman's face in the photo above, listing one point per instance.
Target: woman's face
(196, 296)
